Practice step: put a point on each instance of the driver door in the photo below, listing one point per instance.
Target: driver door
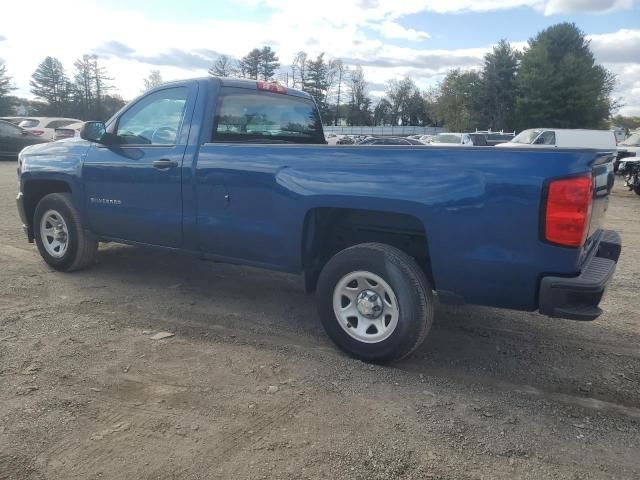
(133, 190)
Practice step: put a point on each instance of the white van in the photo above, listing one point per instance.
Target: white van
(563, 138)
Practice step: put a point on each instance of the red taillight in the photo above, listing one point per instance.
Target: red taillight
(568, 211)
(37, 132)
(271, 87)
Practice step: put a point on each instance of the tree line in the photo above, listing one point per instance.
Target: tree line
(86, 95)
(554, 82)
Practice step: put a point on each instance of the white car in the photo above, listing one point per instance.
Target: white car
(69, 131)
(628, 150)
(451, 139)
(563, 138)
(45, 126)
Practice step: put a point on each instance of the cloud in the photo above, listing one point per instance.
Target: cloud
(381, 10)
(366, 32)
(429, 61)
(555, 7)
(200, 58)
(114, 49)
(394, 30)
(622, 46)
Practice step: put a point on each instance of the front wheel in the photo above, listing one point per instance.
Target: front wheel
(60, 236)
(375, 302)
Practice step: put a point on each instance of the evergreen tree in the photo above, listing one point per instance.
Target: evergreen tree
(559, 83)
(268, 63)
(250, 64)
(495, 101)
(50, 83)
(6, 101)
(317, 82)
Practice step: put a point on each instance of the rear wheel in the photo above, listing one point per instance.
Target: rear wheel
(375, 302)
(60, 236)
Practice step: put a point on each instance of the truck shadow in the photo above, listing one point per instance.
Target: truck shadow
(468, 344)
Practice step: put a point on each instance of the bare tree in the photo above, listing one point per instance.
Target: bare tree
(224, 66)
(338, 72)
(153, 80)
(299, 70)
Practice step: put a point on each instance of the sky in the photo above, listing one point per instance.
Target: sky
(390, 39)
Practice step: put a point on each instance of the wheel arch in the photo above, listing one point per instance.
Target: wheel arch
(328, 230)
(35, 190)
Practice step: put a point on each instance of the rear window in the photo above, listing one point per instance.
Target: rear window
(59, 123)
(255, 117)
(29, 123)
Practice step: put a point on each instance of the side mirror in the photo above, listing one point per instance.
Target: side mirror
(93, 131)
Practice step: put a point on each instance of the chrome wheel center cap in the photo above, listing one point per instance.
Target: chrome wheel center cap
(369, 304)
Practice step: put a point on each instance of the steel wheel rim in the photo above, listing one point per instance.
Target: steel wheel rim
(54, 233)
(355, 308)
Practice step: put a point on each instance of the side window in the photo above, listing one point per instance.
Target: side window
(7, 130)
(546, 138)
(247, 116)
(155, 119)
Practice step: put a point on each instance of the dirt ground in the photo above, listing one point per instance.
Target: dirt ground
(250, 387)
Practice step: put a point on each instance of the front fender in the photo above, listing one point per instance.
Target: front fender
(59, 161)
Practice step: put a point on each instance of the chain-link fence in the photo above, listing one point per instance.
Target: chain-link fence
(401, 131)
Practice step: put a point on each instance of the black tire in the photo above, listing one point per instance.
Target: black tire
(81, 249)
(408, 282)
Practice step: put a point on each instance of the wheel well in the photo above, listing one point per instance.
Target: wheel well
(35, 190)
(330, 230)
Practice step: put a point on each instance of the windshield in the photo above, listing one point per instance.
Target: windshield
(526, 136)
(632, 141)
(447, 138)
(29, 123)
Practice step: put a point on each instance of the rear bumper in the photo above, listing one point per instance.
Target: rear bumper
(23, 217)
(577, 298)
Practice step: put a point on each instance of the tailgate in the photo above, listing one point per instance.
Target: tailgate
(603, 179)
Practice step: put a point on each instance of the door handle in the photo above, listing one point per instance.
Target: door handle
(165, 163)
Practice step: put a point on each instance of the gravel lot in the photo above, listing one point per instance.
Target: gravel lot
(250, 386)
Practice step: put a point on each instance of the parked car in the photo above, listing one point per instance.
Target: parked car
(345, 140)
(45, 126)
(494, 138)
(478, 139)
(563, 138)
(425, 139)
(377, 232)
(628, 148)
(13, 139)
(69, 131)
(14, 120)
(390, 141)
(452, 139)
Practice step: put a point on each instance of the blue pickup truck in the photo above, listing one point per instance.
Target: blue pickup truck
(238, 171)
